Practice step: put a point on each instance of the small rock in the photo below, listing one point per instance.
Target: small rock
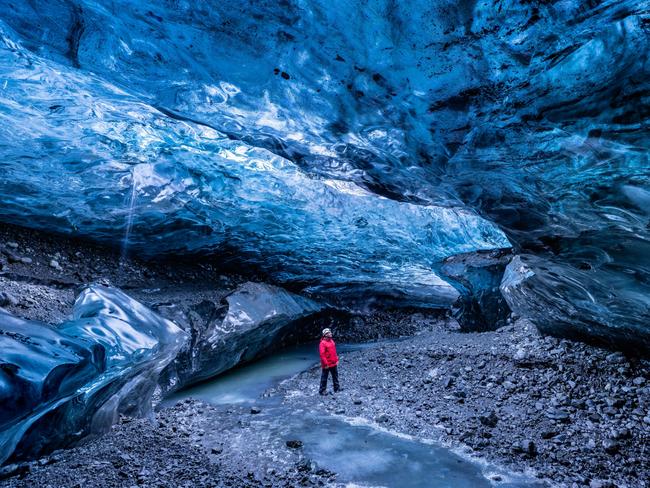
(611, 446)
(381, 418)
(26, 260)
(527, 447)
(489, 420)
(55, 264)
(294, 444)
(256, 410)
(548, 434)
(601, 484)
(357, 402)
(7, 299)
(639, 380)
(615, 358)
(558, 414)
(622, 434)
(12, 245)
(11, 257)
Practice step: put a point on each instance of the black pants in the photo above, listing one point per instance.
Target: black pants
(323, 379)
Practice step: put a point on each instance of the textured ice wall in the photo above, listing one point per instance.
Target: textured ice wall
(533, 114)
(256, 318)
(58, 384)
(81, 155)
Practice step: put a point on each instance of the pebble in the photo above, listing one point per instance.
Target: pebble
(26, 260)
(528, 447)
(611, 446)
(11, 257)
(7, 299)
(490, 420)
(256, 410)
(12, 245)
(294, 444)
(558, 414)
(381, 418)
(55, 264)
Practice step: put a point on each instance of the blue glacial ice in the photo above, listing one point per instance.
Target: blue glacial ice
(347, 147)
(257, 317)
(61, 383)
(171, 186)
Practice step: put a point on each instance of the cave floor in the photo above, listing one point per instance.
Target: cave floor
(559, 411)
(519, 406)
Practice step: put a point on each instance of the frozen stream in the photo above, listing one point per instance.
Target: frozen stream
(361, 454)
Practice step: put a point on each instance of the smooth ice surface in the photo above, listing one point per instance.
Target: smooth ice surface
(343, 145)
(59, 383)
(86, 151)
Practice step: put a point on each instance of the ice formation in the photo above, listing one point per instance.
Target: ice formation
(346, 146)
(61, 383)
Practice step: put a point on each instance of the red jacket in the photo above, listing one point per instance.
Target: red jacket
(328, 357)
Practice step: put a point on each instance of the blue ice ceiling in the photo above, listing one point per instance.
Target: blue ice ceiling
(356, 142)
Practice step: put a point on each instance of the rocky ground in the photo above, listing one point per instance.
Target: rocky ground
(40, 275)
(571, 414)
(575, 414)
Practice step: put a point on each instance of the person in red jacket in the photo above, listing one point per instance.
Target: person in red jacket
(329, 362)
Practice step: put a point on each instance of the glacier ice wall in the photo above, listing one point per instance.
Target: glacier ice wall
(345, 143)
(80, 154)
(60, 383)
(255, 319)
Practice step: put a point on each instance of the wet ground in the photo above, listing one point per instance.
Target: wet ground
(357, 451)
(439, 408)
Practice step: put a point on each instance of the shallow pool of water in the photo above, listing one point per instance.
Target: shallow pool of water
(359, 454)
(362, 454)
(246, 383)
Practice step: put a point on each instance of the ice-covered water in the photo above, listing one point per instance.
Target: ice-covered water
(366, 456)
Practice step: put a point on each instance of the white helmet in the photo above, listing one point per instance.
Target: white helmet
(326, 331)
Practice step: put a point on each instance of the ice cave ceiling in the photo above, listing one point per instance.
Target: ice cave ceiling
(347, 143)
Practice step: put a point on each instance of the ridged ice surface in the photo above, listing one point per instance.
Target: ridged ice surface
(59, 383)
(339, 143)
(257, 319)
